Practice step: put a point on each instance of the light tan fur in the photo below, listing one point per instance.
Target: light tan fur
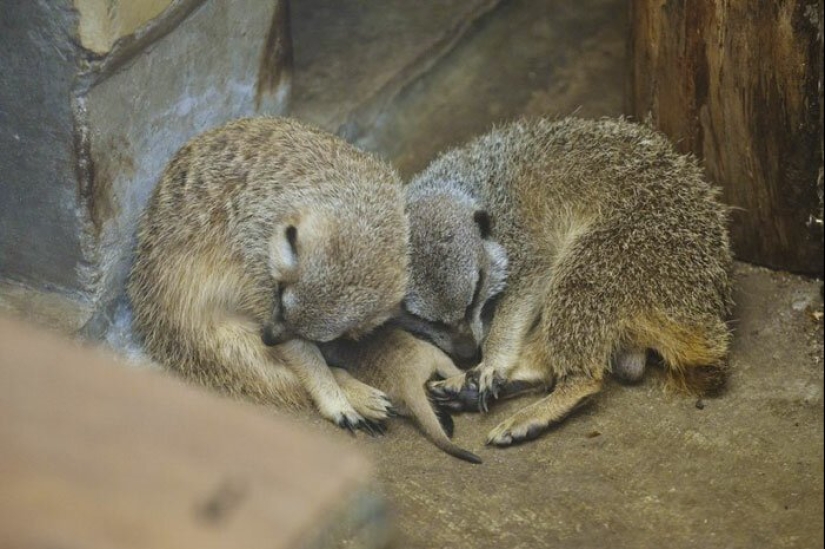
(267, 228)
(399, 364)
(615, 244)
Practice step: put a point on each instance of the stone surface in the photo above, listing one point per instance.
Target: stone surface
(84, 137)
(197, 77)
(53, 310)
(352, 57)
(550, 58)
(103, 22)
(40, 216)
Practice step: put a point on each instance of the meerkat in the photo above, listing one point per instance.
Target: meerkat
(262, 238)
(568, 249)
(400, 365)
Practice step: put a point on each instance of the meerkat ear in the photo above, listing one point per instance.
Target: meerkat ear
(283, 251)
(485, 225)
(291, 233)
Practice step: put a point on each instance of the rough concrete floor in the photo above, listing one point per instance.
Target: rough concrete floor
(639, 467)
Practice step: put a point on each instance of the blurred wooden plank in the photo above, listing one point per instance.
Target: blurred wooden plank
(739, 84)
(93, 454)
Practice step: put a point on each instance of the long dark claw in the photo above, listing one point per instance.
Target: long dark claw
(472, 389)
(371, 427)
(454, 406)
(345, 423)
(440, 392)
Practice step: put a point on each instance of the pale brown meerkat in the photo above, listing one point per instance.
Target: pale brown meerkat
(613, 244)
(400, 364)
(263, 237)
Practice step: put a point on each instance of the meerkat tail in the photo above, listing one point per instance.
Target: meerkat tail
(694, 353)
(421, 410)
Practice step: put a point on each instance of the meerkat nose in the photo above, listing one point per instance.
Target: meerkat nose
(467, 350)
(273, 335)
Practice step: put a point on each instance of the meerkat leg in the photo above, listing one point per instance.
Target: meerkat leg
(308, 364)
(237, 363)
(529, 374)
(528, 423)
(368, 401)
(504, 345)
(444, 366)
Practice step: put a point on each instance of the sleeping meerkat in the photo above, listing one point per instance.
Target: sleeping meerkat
(263, 237)
(399, 364)
(612, 243)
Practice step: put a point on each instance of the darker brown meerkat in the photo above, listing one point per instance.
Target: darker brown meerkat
(563, 250)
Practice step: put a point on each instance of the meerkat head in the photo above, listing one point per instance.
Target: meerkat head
(456, 271)
(337, 271)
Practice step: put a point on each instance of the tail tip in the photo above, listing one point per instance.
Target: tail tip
(704, 380)
(466, 455)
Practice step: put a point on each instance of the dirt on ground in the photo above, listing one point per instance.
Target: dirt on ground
(640, 467)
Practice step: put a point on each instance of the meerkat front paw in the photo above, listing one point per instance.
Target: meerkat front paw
(343, 415)
(353, 421)
(368, 401)
(486, 383)
(374, 405)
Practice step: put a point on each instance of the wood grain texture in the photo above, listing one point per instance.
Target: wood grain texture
(95, 455)
(738, 83)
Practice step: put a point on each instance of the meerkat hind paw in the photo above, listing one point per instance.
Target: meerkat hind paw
(512, 432)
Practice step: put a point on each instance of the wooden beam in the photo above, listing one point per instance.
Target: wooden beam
(95, 454)
(739, 84)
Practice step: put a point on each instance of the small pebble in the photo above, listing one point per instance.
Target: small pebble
(700, 404)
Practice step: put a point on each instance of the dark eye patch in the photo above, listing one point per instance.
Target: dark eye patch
(279, 302)
(476, 294)
(489, 309)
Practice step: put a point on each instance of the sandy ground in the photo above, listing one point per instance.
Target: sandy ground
(640, 467)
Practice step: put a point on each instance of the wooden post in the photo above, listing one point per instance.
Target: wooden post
(94, 454)
(739, 84)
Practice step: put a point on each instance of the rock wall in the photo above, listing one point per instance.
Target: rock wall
(96, 97)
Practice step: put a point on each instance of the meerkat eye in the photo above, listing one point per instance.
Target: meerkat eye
(292, 237)
(476, 294)
(279, 302)
(485, 225)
